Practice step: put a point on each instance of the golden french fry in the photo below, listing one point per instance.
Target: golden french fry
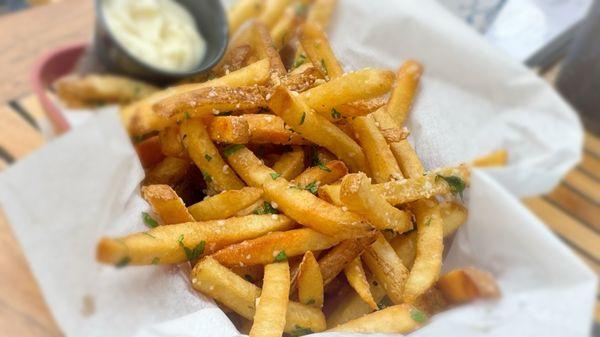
(255, 208)
(321, 174)
(167, 204)
(388, 127)
(265, 48)
(169, 171)
(387, 268)
(302, 78)
(229, 129)
(179, 243)
(94, 89)
(430, 246)
(405, 154)
(402, 318)
(405, 246)
(355, 274)
(170, 143)
(269, 317)
(496, 158)
(358, 85)
(467, 284)
(226, 204)
(139, 117)
(276, 246)
(290, 164)
(283, 30)
(316, 46)
(248, 166)
(331, 194)
(249, 273)
(357, 193)
(235, 58)
(310, 281)
(432, 301)
(339, 256)
(273, 10)
(401, 99)
(379, 156)
(320, 12)
(217, 174)
(316, 128)
(453, 215)
(256, 129)
(241, 12)
(236, 293)
(353, 306)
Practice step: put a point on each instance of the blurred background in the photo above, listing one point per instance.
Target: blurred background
(558, 39)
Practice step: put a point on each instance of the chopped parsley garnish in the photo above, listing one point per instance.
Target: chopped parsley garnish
(186, 115)
(123, 262)
(231, 149)
(384, 303)
(324, 66)
(300, 331)
(150, 235)
(300, 9)
(275, 175)
(155, 260)
(312, 187)
(323, 167)
(417, 315)
(207, 177)
(193, 253)
(281, 256)
(302, 118)
(266, 208)
(457, 185)
(428, 222)
(314, 157)
(207, 157)
(335, 114)
(248, 278)
(300, 60)
(149, 221)
(311, 301)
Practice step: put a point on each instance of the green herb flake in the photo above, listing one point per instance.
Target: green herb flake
(335, 114)
(266, 208)
(457, 185)
(300, 331)
(300, 9)
(302, 118)
(309, 302)
(186, 115)
(281, 256)
(149, 221)
(428, 222)
(300, 60)
(207, 177)
(193, 253)
(224, 113)
(312, 187)
(155, 260)
(231, 149)
(207, 157)
(417, 315)
(275, 175)
(123, 262)
(248, 278)
(384, 303)
(324, 66)
(323, 167)
(149, 235)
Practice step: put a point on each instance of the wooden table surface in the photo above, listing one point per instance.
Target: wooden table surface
(572, 210)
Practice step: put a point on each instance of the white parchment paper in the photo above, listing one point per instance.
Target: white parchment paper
(81, 186)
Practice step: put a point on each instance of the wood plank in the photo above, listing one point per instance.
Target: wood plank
(16, 135)
(577, 206)
(584, 184)
(590, 164)
(31, 104)
(592, 144)
(576, 234)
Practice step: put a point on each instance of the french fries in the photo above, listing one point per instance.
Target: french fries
(453, 215)
(282, 31)
(317, 48)
(321, 174)
(310, 281)
(341, 255)
(402, 97)
(496, 158)
(169, 171)
(269, 318)
(355, 274)
(290, 164)
(186, 241)
(167, 204)
(226, 204)
(256, 129)
(170, 143)
(402, 318)
(273, 10)
(463, 285)
(241, 12)
(320, 12)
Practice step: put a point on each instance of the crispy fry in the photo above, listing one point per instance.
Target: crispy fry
(496, 158)
(283, 30)
(169, 171)
(302, 78)
(167, 204)
(405, 246)
(290, 164)
(388, 127)
(337, 258)
(250, 273)
(320, 12)
(148, 151)
(229, 129)
(265, 48)
(165, 244)
(310, 281)
(217, 174)
(241, 12)
(359, 196)
(256, 129)
(249, 167)
(402, 318)
(170, 143)
(405, 154)
(269, 317)
(322, 174)
(234, 59)
(407, 80)
(362, 107)
(276, 246)
(432, 301)
(467, 284)
(218, 282)
(453, 215)
(273, 10)
(355, 274)
(316, 128)
(387, 268)
(430, 246)
(226, 204)
(316, 46)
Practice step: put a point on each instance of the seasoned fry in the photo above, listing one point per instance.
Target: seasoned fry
(217, 174)
(242, 11)
(290, 164)
(310, 281)
(407, 158)
(251, 169)
(236, 293)
(402, 318)
(229, 129)
(283, 30)
(320, 12)
(265, 48)
(405, 246)
(93, 89)
(387, 268)
(148, 151)
(432, 301)
(467, 284)
(388, 127)
(355, 274)
(453, 215)
(359, 196)
(167, 204)
(175, 243)
(321, 174)
(316, 128)
(337, 258)
(273, 10)
(169, 171)
(269, 317)
(430, 246)
(226, 204)
(256, 129)
(407, 80)
(317, 48)
(496, 158)
(276, 246)
(302, 78)
(170, 143)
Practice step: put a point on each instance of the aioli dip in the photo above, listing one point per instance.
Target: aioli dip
(161, 33)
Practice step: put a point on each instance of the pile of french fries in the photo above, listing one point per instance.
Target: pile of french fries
(291, 188)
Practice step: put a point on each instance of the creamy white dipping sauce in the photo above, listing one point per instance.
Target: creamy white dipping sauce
(161, 33)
